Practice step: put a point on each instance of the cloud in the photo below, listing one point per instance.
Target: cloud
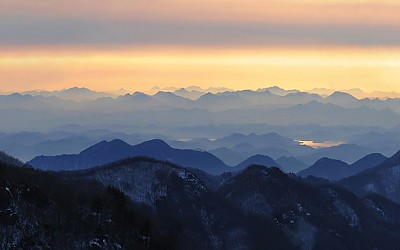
(199, 23)
(83, 32)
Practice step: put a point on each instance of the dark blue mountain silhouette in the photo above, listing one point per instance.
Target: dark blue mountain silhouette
(345, 152)
(335, 169)
(258, 160)
(367, 162)
(326, 168)
(107, 152)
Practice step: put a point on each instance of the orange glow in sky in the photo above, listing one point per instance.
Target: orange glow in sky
(138, 44)
(337, 68)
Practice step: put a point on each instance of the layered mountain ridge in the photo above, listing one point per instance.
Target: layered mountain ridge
(256, 208)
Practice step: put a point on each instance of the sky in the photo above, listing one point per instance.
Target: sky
(138, 44)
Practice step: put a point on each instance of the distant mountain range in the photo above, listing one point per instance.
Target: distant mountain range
(269, 106)
(232, 125)
(272, 95)
(345, 152)
(232, 149)
(334, 169)
(236, 147)
(75, 94)
(107, 152)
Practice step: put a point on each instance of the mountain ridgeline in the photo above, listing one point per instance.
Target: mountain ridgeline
(383, 179)
(79, 106)
(7, 159)
(336, 169)
(107, 152)
(143, 203)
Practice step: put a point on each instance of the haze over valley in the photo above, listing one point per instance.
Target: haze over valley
(233, 125)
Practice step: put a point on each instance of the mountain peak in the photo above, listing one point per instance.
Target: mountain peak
(327, 168)
(325, 160)
(17, 95)
(156, 144)
(117, 142)
(258, 159)
(368, 162)
(77, 90)
(341, 94)
(259, 171)
(276, 88)
(114, 145)
(137, 93)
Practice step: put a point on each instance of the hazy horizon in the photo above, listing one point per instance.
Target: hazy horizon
(295, 44)
(356, 92)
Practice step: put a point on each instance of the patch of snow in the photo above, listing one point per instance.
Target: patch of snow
(207, 222)
(94, 243)
(376, 209)
(391, 179)
(300, 208)
(9, 192)
(347, 212)
(256, 203)
(303, 235)
(370, 187)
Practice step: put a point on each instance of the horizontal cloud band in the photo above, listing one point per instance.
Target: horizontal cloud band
(70, 32)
